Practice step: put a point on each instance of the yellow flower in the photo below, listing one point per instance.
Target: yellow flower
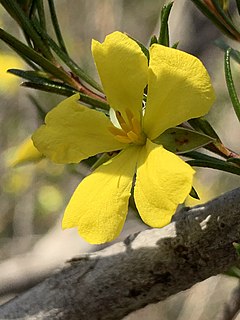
(9, 82)
(179, 88)
(24, 153)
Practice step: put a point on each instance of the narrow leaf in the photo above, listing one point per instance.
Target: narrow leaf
(201, 156)
(205, 10)
(224, 46)
(64, 90)
(230, 84)
(233, 272)
(48, 87)
(24, 50)
(234, 160)
(56, 26)
(180, 140)
(102, 159)
(203, 125)
(66, 59)
(26, 25)
(225, 18)
(153, 40)
(30, 75)
(175, 45)
(193, 194)
(218, 165)
(41, 14)
(164, 32)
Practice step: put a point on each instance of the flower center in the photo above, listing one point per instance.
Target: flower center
(130, 131)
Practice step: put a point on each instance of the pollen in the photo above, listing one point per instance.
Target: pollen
(130, 131)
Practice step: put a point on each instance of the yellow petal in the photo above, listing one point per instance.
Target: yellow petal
(74, 132)
(163, 182)
(122, 67)
(99, 205)
(25, 152)
(179, 89)
(8, 82)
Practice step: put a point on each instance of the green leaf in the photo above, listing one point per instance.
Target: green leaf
(193, 194)
(228, 21)
(233, 272)
(17, 13)
(41, 13)
(218, 165)
(30, 75)
(66, 59)
(180, 140)
(56, 26)
(153, 40)
(175, 45)
(230, 84)
(164, 32)
(201, 156)
(204, 160)
(29, 53)
(143, 48)
(102, 159)
(95, 103)
(234, 160)
(205, 10)
(235, 54)
(203, 125)
(49, 87)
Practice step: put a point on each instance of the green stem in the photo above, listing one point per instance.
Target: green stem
(41, 14)
(56, 26)
(230, 83)
(17, 13)
(214, 165)
(22, 49)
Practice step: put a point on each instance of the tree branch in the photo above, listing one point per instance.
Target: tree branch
(145, 268)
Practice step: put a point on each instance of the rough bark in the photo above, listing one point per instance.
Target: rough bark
(145, 268)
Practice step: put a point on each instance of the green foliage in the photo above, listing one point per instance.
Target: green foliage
(54, 71)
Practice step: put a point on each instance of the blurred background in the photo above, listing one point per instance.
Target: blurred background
(33, 196)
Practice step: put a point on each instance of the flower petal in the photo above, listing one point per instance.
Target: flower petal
(99, 205)
(163, 182)
(122, 67)
(8, 82)
(179, 89)
(25, 152)
(74, 132)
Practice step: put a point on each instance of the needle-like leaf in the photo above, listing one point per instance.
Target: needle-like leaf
(230, 84)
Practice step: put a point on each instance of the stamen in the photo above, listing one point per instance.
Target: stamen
(120, 118)
(131, 131)
(133, 136)
(123, 139)
(130, 117)
(136, 126)
(116, 131)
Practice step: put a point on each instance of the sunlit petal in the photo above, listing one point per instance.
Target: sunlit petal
(99, 205)
(179, 89)
(74, 132)
(163, 182)
(122, 67)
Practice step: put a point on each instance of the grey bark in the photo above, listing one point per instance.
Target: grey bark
(145, 268)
